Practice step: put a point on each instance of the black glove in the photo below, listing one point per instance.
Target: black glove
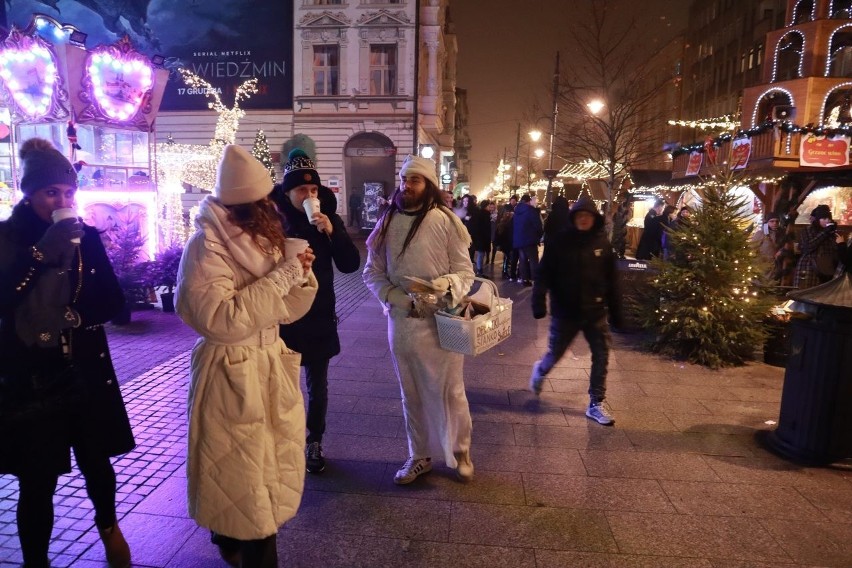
(539, 308)
(56, 245)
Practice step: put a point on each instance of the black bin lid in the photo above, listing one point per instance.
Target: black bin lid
(834, 293)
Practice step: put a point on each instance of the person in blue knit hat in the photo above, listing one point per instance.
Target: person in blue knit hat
(315, 335)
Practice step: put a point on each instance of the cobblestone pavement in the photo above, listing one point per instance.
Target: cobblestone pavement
(151, 359)
(680, 481)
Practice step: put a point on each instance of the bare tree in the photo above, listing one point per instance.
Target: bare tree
(607, 95)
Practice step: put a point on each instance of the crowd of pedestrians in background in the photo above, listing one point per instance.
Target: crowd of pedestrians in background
(256, 283)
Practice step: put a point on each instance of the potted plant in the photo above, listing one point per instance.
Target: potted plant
(164, 271)
(123, 249)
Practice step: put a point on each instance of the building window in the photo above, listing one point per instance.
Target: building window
(323, 2)
(841, 9)
(326, 69)
(838, 108)
(803, 11)
(788, 57)
(382, 69)
(840, 48)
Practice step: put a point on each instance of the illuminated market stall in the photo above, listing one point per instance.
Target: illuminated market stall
(97, 106)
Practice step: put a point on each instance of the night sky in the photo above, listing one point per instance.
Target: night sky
(507, 52)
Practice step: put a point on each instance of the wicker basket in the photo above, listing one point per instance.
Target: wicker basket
(474, 336)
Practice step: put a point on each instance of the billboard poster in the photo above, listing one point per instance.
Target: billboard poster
(824, 151)
(225, 42)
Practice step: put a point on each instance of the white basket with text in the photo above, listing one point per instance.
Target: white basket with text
(480, 333)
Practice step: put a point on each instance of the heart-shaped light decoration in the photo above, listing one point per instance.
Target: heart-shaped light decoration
(120, 82)
(29, 74)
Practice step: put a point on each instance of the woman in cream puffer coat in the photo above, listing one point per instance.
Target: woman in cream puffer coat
(245, 462)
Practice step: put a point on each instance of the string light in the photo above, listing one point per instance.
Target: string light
(589, 169)
(726, 122)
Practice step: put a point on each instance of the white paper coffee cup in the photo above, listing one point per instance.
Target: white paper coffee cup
(311, 205)
(293, 246)
(65, 213)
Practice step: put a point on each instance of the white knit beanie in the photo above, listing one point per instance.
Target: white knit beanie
(418, 165)
(241, 178)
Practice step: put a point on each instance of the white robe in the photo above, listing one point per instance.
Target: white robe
(437, 416)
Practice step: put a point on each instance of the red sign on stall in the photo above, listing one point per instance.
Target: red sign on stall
(824, 151)
(693, 167)
(740, 152)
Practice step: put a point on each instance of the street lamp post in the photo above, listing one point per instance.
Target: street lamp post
(550, 172)
(602, 121)
(535, 136)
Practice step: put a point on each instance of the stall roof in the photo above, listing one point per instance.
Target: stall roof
(596, 188)
(650, 178)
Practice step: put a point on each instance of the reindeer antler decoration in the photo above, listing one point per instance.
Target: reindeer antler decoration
(229, 118)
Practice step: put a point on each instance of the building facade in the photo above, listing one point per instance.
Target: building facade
(373, 81)
(725, 53)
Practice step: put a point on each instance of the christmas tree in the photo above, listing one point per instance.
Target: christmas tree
(706, 304)
(260, 150)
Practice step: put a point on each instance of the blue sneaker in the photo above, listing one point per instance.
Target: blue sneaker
(536, 379)
(599, 414)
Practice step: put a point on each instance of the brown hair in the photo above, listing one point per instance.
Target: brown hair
(262, 221)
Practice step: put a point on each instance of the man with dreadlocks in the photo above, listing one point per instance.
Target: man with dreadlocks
(417, 236)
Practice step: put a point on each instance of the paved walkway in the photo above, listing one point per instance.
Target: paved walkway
(681, 481)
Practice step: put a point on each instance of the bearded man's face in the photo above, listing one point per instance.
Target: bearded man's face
(413, 192)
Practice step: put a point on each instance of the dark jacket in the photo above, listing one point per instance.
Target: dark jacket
(651, 241)
(557, 222)
(480, 230)
(528, 229)
(97, 413)
(505, 230)
(820, 256)
(578, 270)
(315, 335)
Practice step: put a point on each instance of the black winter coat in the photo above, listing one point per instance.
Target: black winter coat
(505, 231)
(651, 241)
(315, 335)
(578, 270)
(527, 226)
(97, 413)
(480, 230)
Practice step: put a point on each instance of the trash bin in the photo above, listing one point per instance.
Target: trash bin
(815, 422)
(634, 281)
(776, 350)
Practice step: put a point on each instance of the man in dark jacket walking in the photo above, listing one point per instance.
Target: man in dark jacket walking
(315, 335)
(578, 269)
(527, 234)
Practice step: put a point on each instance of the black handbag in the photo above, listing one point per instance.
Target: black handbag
(40, 396)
